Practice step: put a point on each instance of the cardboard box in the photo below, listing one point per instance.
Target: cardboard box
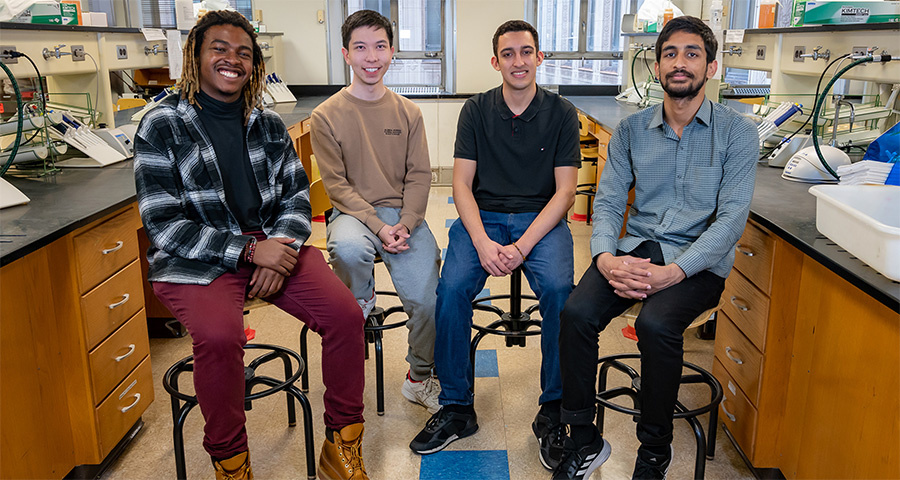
(70, 10)
(836, 12)
(45, 12)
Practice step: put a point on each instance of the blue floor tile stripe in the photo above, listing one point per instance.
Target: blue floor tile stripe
(450, 200)
(465, 465)
(486, 363)
(443, 254)
(449, 222)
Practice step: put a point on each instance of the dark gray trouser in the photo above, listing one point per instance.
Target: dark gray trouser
(660, 328)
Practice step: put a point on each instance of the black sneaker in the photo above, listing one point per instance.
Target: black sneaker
(551, 436)
(442, 429)
(649, 467)
(581, 463)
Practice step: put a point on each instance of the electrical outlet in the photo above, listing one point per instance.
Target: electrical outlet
(122, 52)
(760, 52)
(799, 51)
(6, 50)
(77, 53)
(859, 51)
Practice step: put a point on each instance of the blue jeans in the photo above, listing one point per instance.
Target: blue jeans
(550, 273)
(414, 272)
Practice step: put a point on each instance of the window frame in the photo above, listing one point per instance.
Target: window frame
(582, 53)
(399, 54)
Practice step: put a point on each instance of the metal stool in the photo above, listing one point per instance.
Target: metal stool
(375, 325)
(706, 447)
(251, 379)
(514, 325)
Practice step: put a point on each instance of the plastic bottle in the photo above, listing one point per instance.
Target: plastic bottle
(767, 13)
(668, 13)
(715, 15)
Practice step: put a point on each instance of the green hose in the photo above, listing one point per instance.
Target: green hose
(634, 80)
(815, 117)
(19, 113)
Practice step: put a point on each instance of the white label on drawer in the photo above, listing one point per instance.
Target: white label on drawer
(732, 388)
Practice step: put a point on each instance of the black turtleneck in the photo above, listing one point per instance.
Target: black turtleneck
(224, 124)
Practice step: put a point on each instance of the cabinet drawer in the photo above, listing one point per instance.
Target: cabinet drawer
(104, 249)
(740, 358)
(118, 355)
(753, 256)
(736, 412)
(110, 304)
(124, 406)
(747, 307)
(304, 125)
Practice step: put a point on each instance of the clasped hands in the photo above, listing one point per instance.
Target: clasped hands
(636, 278)
(498, 260)
(275, 259)
(393, 238)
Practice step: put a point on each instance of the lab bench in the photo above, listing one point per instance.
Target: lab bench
(821, 338)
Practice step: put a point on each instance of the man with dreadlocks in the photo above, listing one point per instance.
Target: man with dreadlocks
(225, 203)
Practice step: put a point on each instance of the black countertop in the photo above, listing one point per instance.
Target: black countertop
(75, 197)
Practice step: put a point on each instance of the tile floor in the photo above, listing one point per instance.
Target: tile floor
(507, 389)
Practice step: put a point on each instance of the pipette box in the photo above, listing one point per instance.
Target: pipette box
(838, 12)
(863, 220)
(45, 12)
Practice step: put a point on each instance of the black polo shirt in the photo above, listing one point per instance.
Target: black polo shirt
(516, 154)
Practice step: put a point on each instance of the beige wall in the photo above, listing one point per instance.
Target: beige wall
(476, 21)
(304, 42)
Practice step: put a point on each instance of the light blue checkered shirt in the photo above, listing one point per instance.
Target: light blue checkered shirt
(692, 194)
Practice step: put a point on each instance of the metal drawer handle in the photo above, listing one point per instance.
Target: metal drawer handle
(748, 253)
(137, 398)
(130, 351)
(727, 413)
(125, 298)
(733, 359)
(118, 246)
(739, 306)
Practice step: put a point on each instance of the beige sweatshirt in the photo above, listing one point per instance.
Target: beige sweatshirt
(373, 154)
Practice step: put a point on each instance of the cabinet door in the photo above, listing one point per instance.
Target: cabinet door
(35, 432)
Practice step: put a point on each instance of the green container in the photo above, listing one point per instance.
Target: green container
(798, 13)
(45, 13)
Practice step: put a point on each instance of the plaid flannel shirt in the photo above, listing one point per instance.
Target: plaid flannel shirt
(194, 237)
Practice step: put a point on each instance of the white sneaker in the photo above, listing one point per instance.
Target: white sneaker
(367, 305)
(424, 393)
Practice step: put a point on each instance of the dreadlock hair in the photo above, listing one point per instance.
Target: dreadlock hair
(190, 76)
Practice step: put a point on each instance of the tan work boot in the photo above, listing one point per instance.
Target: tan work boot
(234, 468)
(342, 459)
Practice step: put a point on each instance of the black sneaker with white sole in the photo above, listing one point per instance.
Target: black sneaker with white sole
(551, 435)
(442, 429)
(577, 464)
(652, 467)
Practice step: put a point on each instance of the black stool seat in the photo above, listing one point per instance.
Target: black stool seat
(605, 396)
(294, 366)
(515, 325)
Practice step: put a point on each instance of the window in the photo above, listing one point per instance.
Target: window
(418, 63)
(581, 40)
(161, 13)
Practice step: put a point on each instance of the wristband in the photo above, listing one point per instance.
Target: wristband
(519, 250)
(249, 250)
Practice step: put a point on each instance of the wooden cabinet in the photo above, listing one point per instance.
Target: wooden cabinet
(810, 366)
(75, 353)
(753, 340)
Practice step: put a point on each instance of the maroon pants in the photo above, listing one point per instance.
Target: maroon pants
(213, 315)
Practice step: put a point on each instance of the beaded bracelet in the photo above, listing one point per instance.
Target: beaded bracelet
(519, 250)
(249, 250)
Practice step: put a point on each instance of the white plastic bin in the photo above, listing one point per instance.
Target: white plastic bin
(864, 220)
